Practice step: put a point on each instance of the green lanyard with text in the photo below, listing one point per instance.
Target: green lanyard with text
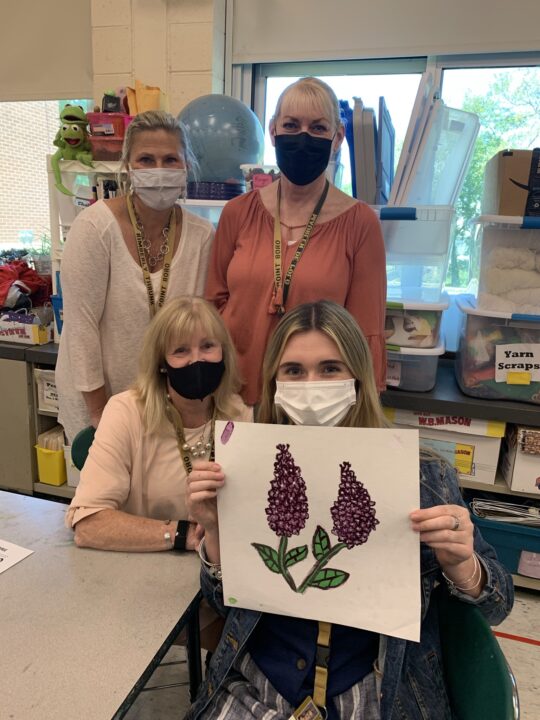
(281, 287)
(139, 237)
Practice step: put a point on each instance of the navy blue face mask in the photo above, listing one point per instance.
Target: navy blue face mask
(301, 157)
(195, 381)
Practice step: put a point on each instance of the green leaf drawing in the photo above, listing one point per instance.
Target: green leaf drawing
(329, 578)
(296, 555)
(269, 556)
(321, 543)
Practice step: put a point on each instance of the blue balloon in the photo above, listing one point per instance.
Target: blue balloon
(224, 133)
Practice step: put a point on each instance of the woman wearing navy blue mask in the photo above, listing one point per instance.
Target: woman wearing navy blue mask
(298, 240)
(131, 496)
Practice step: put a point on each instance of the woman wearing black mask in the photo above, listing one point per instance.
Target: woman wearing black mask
(131, 496)
(298, 240)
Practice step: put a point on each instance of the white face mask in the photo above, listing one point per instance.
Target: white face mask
(159, 188)
(316, 403)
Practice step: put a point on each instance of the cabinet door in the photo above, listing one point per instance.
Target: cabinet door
(17, 454)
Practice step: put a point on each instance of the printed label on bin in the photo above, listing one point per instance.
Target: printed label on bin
(517, 364)
(50, 392)
(393, 373)
(459, 455)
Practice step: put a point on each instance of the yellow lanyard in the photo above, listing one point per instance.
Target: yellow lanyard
(165, 273)
(321, 664)
(183, 446)
(281, 287)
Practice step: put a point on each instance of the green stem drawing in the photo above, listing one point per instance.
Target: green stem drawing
(318, 566)
(282, 551)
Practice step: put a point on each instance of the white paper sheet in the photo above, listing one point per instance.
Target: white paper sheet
(382, 591)
(11, 554)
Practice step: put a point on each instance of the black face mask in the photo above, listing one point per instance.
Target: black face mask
(197, 380)
(302, 157)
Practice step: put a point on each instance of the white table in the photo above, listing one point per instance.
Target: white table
(82, 630)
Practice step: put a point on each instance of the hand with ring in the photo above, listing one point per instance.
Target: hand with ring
(447, 529)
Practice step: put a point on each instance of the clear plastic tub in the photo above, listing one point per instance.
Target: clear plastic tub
(417, 242)
(413, 369)
(499, 354)
(413, 324)
(509, 279)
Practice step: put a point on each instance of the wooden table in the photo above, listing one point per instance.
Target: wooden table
(81, 631)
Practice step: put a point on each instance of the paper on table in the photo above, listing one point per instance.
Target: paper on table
(369, 576)
(11, 554)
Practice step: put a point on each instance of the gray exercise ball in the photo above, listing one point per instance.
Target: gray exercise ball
(224, 133)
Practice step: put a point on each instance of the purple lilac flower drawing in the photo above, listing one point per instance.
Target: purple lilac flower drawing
(287, 512)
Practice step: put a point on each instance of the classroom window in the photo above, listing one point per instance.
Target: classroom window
(28, 131)
(396, 80)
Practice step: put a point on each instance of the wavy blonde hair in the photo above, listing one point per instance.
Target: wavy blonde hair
(340, 326)
(151, 121)
(174, 323)
(312, 93)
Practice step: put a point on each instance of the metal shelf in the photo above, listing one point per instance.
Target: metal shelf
(64, 491)
(523, 581)
(499, 487)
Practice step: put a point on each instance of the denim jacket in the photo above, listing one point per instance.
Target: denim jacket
(412, 683)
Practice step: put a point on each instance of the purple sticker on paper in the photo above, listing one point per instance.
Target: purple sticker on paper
(227, 432)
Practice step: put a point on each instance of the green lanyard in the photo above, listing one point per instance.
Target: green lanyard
(183, 446)
(165, 274)
(281, 287)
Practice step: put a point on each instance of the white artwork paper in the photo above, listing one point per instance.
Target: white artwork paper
(11, 554)
(314, 523)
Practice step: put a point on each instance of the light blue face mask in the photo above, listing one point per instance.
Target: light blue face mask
(316, 403)
(159, 188)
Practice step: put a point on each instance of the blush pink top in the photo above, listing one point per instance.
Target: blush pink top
(344, 261)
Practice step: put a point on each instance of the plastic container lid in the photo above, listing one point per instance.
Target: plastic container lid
(529, 222)
(467, 306)
(438, 350)
(415, 305)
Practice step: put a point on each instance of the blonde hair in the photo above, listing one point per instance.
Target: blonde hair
(340, 326)
(312, 92)
(176, 322)
(151, 121)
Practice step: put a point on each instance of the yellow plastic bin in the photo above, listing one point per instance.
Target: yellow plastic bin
(51, 466)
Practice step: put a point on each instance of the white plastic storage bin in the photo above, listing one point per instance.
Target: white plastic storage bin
(47, 394)
(410, 324)
(417, 242)
(413, 368)
(207, 209)
(509, 279)
(73, 474)
(499, 354)
(470, 445)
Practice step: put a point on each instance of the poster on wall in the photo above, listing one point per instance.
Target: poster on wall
(314, 523)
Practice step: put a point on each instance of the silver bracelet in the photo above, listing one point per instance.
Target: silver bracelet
(476, 577)
(167, 535)
(213, 568)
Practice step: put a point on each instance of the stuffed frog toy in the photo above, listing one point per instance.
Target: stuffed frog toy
(72, 142)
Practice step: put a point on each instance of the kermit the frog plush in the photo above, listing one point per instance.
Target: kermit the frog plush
(72, 142)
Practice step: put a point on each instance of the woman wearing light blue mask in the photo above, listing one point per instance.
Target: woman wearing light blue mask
(124, 256)
(318, 370)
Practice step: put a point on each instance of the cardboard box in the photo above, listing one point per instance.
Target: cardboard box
(512, 183)
(471, 446)
(520, 461)
(25, 333)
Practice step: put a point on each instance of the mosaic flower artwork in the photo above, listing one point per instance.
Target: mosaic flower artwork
(353, 515)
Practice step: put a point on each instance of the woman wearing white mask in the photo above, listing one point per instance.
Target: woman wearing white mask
(318, 371)
(122, 258)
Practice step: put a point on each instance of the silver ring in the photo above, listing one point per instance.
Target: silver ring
(457, 522)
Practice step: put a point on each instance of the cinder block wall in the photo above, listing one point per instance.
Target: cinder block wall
(178, 45)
